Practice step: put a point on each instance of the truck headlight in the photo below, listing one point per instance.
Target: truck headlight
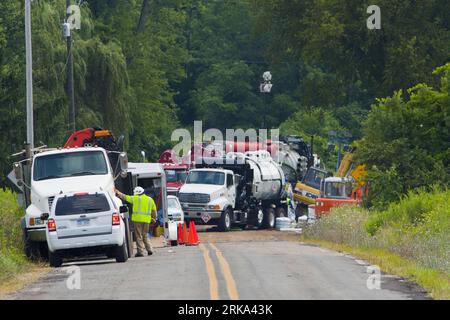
(214, 207)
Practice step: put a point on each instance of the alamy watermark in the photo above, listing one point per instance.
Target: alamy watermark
(73, 282)
(74, 16)
(374, 20)
(374, 280)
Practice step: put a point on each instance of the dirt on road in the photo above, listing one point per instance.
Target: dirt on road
(211, 234)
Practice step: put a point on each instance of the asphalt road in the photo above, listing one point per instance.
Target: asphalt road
(240, 265)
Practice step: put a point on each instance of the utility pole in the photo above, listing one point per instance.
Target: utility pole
(29, 74)
(70, 85)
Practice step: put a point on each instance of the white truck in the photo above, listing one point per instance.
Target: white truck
(47, 173)
(243, 189)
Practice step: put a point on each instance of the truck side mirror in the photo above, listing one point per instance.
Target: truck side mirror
(123, 161)
(123, 209)
(44, 216)
(18, 172)
(229, 180)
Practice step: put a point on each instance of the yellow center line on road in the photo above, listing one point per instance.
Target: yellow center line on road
(226, 271)
(213, 284)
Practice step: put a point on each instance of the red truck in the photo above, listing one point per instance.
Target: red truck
(338, 191)
(176, 171)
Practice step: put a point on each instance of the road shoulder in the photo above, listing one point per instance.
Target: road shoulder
(421, 280)
(23, 279)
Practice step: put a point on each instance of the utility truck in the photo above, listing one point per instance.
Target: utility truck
(46, 173)
(242, 189)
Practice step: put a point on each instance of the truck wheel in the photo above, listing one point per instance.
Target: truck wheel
(43, 250)
(31, 248)
(225, 221)
(269, 218)
(122, 252)
(54, 259)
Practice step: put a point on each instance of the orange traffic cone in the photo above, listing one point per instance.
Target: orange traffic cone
(185, 234)
(193, 238)
(180, 234)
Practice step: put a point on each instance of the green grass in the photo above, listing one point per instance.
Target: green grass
(410, 239)
(12, 259)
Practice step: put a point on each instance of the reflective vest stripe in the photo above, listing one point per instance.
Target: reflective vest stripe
(139, 201)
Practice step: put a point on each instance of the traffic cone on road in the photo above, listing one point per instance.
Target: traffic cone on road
(185, 234)
(193, 238)
(180, 234)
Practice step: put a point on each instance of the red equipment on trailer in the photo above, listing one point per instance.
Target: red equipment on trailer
(95, 137)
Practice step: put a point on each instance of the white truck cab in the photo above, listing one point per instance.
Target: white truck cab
(207, 193)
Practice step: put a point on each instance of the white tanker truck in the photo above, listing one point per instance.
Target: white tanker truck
(242, 189)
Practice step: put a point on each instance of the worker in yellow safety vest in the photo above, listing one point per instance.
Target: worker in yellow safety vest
(144, 210)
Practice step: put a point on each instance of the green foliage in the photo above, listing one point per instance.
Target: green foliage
(203, 60)
(123, 79)
(332, 34)
(413, 210)
(314, 122)
(406, 142)
(416, 228)
(12, 259)
(225, 90)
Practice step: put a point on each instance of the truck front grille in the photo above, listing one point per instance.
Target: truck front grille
(194, 197)
(50, 202)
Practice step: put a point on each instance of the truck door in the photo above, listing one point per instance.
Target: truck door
(231, 189)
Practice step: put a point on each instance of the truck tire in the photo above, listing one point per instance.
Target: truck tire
(269, 219)
(43, 251)
(225, 221)
(122, 252)
(31, 248)
(54, 259)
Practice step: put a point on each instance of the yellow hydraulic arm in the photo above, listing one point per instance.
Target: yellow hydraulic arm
(345, 165)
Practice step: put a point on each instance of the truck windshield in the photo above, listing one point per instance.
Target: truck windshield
(337, 190)
(206, 177)
(69, 165)
(313, 178)
(81, 204)
(176, 175)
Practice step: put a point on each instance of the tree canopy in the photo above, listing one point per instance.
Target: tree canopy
(146, 67)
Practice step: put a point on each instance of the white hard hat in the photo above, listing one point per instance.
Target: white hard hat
(138, 190)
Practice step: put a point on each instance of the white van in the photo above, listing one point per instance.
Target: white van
(85, 223)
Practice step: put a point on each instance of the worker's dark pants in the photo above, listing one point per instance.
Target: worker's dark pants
(142, 241)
